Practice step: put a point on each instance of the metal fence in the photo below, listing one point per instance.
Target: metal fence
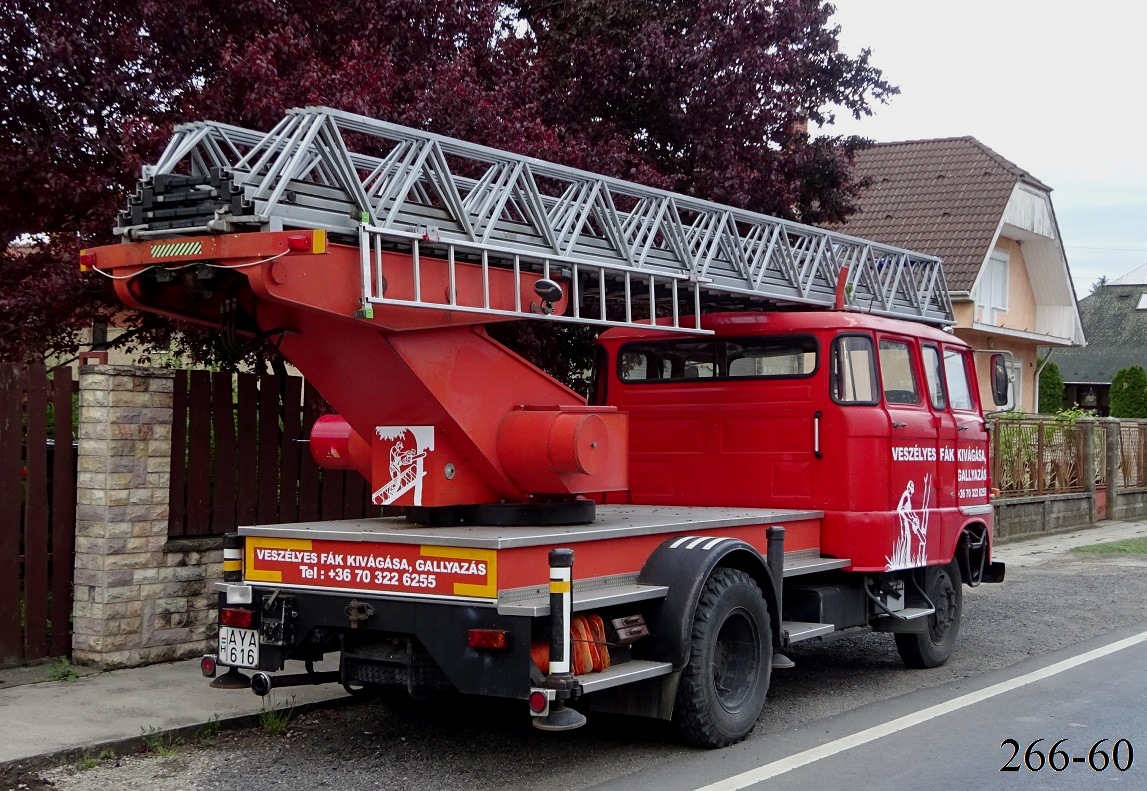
(1033, 456)
(238, 457)
(1132, 450)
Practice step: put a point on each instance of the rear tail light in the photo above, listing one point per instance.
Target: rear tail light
(87, 261)
(207, 665)
(489, 639)
(236, 617)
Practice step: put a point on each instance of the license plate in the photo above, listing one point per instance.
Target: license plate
(238, 647)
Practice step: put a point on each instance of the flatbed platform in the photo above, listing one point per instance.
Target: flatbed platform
(390, 555)
(613, 521)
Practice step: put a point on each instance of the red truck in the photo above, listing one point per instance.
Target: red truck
(783, 443)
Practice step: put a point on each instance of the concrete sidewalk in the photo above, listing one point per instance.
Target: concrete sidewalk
(102, 709)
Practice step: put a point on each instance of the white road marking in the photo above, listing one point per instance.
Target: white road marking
(761, 773)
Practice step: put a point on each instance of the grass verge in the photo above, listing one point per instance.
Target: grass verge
(1129, 546)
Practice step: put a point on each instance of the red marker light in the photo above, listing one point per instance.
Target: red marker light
(87, 261)
(207, 666)
(299, 242)
(489, 639)
(236, 617)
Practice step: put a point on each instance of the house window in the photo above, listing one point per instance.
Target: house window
(1142, 302)
(992, 293)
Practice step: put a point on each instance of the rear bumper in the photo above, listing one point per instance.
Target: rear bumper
(403, 640)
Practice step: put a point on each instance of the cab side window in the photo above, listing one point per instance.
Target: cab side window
(934, 376)
(956, 372)
(896, 373)
(853, 376)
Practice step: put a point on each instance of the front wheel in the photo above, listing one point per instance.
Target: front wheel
(933, 647)
(723, 686)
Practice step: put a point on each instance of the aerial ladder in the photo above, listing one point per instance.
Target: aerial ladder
(386, 247)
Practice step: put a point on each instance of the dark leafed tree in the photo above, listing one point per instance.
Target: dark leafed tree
(716, 94)
(708, 98)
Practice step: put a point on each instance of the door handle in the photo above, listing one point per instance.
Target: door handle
(898, 424)
(961, 428)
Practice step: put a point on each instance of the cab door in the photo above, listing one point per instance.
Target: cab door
(914, 457)
(946, 485)
(971, 432)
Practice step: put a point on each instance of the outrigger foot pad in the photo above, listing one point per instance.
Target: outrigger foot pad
(232, 679)
(782, 662)
(560, 718)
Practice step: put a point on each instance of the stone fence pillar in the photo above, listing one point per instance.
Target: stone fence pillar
(1111, 427)
(1090, 468)
(138, 599)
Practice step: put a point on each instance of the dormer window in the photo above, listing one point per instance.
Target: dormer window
(992, 292)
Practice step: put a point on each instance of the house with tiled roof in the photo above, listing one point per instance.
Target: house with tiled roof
(994, 226)
(1115, 319)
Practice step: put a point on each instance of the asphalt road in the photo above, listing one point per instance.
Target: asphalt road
(1043, 608)
(1086, 704)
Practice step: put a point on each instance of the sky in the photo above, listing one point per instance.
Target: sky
(1055, 87)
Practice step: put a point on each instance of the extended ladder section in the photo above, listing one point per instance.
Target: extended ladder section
(623, 252)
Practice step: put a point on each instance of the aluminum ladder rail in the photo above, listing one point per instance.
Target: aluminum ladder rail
(638, 250)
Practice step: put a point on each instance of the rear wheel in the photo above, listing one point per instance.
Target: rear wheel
(933, 647)
(723, 686)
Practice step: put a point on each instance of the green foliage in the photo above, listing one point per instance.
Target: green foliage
(157, 742)
(276, 721)
(62, 670)
(206, 736)
(1129, 393)
(86, 762)
(1130, 546)
(1050, 389)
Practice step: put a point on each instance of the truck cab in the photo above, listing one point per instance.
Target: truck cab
(873, 420)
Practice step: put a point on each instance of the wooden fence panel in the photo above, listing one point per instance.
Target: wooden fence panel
(291, 447)
(309, 472)
(199, 461)
(11, 508)
(37, 512)
(246, 424)
(177, 510)
(243, 462)
(225, 463)
(268, 460)
(36, 515)
(63, 511)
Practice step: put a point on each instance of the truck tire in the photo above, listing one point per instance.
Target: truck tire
(933, 647)
(723, 686)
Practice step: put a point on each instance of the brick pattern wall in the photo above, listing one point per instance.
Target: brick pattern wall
(138, 599)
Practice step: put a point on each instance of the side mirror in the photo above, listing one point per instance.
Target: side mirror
(1000, 379)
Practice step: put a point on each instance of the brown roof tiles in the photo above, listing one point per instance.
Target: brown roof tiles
(943, 197)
